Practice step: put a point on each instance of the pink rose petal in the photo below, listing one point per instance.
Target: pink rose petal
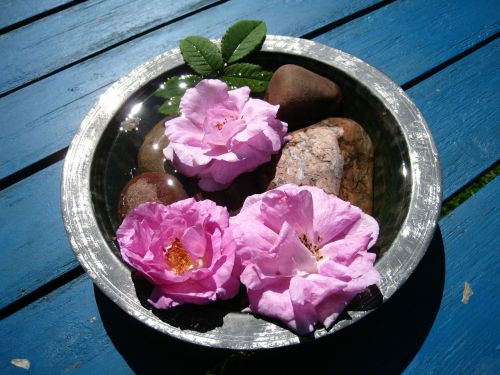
(185, 249)
(222, 134)
(304, 254)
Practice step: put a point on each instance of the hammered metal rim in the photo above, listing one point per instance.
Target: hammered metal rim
(92, 250)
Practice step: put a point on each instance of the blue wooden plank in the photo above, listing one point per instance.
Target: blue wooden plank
(60, 331)
(63, 99)
(32, 234)
(69, 332)
(70, 35)
(421, 33)
(14, 11)
(465, 337)
(459, 122)
(59, 341)
(461, 106)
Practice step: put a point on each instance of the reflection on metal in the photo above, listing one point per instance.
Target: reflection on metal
(407, 189)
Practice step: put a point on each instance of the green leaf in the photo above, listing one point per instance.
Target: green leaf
(177, 85)
(173, 89)
(203, 56)
(241, 39)
(244, 74)
(171, 106)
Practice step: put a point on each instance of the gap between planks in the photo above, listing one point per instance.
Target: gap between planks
(112, 46)
(39, 16)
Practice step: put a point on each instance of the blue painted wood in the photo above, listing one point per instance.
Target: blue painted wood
(60, 342)
(460, 104)
(465, 337)
(63, 99)
(67, 36)
(459, 123)
(32, 234)
(14, 11)
(60, 331)
(421, 33)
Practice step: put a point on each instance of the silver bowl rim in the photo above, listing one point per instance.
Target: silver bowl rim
(92, 250)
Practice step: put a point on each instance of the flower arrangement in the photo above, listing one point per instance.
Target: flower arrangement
(185, 249)
(222, 134)
(300, 252)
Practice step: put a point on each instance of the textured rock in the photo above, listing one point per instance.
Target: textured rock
(335, 154)
(313, 158)
(150, 157)
(357, 150)
(304, 96)
(150, 187)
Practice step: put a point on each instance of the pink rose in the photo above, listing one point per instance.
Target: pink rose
(304, 254)
(222, 134)
(185, 249)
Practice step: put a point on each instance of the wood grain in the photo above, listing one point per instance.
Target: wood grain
(60, 330)
(62, 38)
(32, 233)
(63, 100)
(464, 338)
(14, 11)
(461, 107)
(407, 38)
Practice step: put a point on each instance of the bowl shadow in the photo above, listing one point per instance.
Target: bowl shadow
(383, 342)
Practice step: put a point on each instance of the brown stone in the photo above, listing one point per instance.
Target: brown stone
(335, 154)
(150, 157)
(357, 150)
(150, 187)
(312, 157)
(304, 96)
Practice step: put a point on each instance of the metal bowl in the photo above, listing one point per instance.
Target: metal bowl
(407, 189)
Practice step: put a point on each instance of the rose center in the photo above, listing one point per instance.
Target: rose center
(177, 258)
(314, 249)
(221, 117)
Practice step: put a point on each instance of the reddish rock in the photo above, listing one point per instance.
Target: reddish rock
(304, 97)
(335, 154)
(313, 158)
(150, 187)
(150, 157)
(357, 150)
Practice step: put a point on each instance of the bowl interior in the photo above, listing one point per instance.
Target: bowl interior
(115, 158)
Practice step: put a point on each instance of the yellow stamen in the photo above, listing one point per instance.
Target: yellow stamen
(177, 258)
(312, 248)
(219, 125)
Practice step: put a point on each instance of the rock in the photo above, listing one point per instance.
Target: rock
(357, 150)
(313, 158)
(150, 187)
(335, 154)
(304, 97)
(150, 157)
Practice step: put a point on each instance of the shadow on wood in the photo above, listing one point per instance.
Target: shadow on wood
(383, 342)
(147, 351)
